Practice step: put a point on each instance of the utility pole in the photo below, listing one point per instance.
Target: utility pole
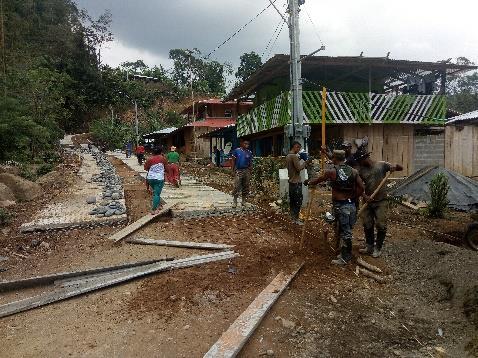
(296, 131)
(136, 121)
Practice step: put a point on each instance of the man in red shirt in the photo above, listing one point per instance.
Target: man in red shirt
(140, 153)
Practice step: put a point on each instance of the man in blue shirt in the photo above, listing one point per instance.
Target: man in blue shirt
(241, 167)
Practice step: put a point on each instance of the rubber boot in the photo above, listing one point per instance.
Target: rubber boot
(370, 241)
(377, 252)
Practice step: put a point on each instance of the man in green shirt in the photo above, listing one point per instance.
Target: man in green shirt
(173, 167)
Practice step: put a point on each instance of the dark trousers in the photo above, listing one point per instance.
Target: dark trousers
(375, 215)
(140, 157)
(346, 216)
(295, 199)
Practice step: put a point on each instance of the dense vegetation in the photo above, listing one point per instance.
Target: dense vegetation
(52, 80)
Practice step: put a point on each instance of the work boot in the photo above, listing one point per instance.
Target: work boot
(243, 202)
(367, 250)
(234, 202)
(377, 252)
(339, 261)
(369, 236)
(381, 234)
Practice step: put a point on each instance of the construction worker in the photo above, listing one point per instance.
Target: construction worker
(346, 186)
(349, 156)
(241, 167)
(375, 214)
(294, 167)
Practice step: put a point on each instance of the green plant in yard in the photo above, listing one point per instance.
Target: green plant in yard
(44, 169)
(439, 195)
(27, 173)
(5, 217)
(264, 170)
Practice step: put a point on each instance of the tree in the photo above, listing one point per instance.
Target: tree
(462, 89)
(208, 77)
(250, 62)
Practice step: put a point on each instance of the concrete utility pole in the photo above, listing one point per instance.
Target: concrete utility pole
(136, 121)
(297, 131)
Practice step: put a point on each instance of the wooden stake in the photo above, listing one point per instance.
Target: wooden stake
(382, 183)
(322, 167)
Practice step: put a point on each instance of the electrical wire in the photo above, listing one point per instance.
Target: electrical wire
(272, 38)
(314, 26)
(240, 29)
(275, 40)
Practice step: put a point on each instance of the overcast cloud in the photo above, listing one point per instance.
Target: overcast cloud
(428, 30)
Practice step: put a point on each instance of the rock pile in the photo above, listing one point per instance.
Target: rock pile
(112, 187)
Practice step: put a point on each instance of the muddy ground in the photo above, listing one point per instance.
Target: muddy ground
(429, 303)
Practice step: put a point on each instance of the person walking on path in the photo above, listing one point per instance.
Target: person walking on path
(375, 214)
(156, 167)
(217, 156)
(346, 186)
(129, 149)
(140, 153)
(241, 167)
(173, 168)
(294, 167)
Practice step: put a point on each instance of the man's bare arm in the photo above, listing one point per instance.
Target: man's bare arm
(326, 175)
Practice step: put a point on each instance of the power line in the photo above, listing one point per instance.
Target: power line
(240, 29)
(275, 40)
(272, 38)
(314, 26)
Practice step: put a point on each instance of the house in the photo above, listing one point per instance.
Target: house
(396, 103)
(461, 144)
(203, 117)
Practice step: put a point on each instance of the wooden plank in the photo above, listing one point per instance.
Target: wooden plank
(231, 342)
(106, 280)
(128, 230)
(449, 147)
(188, 244)
(50, 279)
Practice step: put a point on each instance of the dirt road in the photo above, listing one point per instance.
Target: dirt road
(326, 312)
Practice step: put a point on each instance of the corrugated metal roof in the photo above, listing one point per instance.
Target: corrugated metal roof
(213, 123)
(470, 116)
(162, 131)
(217, 130)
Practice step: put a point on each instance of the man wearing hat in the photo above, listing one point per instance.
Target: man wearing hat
(346, 186)
(349, 156)
(173, 167)
(375, 214)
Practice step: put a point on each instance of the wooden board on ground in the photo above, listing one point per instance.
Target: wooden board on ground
(236, 336)
(128, 230)
(96, 283)
(187, 244)
(50, 279)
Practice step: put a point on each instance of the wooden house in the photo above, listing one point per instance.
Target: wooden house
(396, 103)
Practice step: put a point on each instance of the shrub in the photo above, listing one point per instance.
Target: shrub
(44, 169)
(5, 217)
(27, 173)
(439, 195)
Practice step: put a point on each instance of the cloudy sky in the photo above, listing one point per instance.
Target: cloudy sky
(429, 30)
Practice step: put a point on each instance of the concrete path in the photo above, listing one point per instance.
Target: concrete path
(193, 198)
(72, 209)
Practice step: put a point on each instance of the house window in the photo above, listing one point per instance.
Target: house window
(228, 113)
